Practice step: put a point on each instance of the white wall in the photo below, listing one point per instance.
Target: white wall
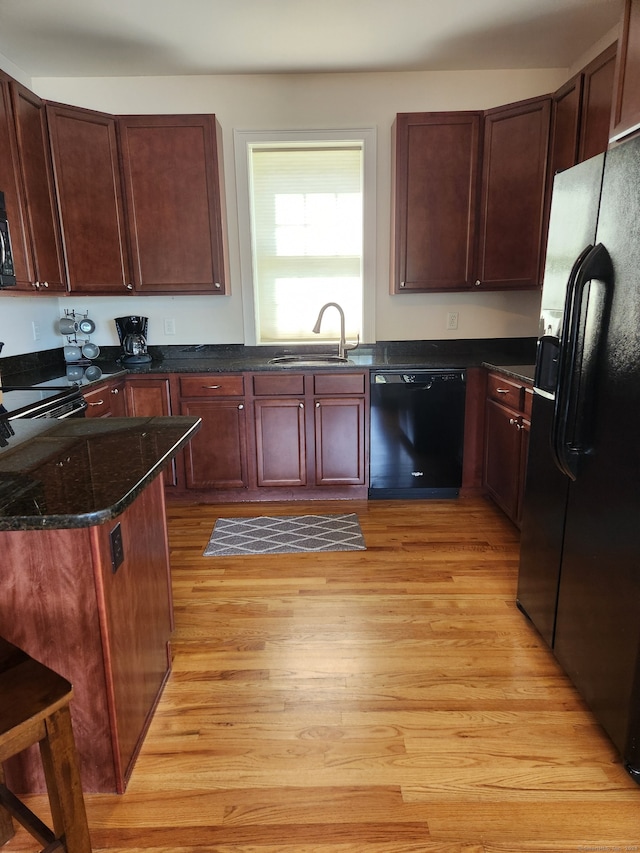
(296, 102)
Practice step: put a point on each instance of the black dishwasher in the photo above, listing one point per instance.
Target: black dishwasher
(417, 433)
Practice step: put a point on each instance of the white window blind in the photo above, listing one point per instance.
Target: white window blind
(307, 238)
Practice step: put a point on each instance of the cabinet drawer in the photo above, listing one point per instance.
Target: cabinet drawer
(505, 391)
(211, 385)
(98, 402)
(339, 383)
(277, 384)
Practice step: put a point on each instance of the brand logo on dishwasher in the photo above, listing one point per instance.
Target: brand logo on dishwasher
(417, 473)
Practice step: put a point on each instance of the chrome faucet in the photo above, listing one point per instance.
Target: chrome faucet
(342, 346)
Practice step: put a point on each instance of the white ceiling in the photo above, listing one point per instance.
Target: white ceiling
(88, 38)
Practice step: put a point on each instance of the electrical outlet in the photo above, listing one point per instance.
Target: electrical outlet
(169, 326)
(117, 548)
(452, 320)
(35, 328)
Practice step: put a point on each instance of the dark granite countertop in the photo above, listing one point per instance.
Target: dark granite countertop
(236, 358)
(517, 371)
(82, 472)
(408, 355)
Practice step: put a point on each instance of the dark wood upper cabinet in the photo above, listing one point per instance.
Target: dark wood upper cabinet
(565, 125)
(597, 101)
(463, 222)
(516, 140)
(435, 200)
(87, 177)
(173, 189)
(625, 118)
(11, 186)
(41, 215)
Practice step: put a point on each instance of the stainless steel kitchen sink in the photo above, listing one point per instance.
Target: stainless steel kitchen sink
(308, 360)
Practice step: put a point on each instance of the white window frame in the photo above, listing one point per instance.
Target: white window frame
(243, 139)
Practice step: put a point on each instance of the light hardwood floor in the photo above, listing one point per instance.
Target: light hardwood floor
(386, 701)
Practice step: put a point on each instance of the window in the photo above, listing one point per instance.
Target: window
(304, 233)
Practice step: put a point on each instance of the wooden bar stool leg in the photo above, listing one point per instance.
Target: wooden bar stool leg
(7, 829)
(60, 763)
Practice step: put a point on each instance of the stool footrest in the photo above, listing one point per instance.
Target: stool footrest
(29, 820)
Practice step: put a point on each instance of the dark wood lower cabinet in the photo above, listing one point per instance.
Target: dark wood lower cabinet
(216, 457)
(507, 412)
(148, 397)
(339, 441)
(277, 435)
(316, 438)
(281, 450)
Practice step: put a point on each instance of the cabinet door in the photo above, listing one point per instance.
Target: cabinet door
(11, 185)
(596, 104)
(565, 131)
(148, 397)
(626, 111)
(516, 140)
(173, 188)
(280, 442)
(340, 442)
(435, 200)
(502, 462)
(87, 176)
(35, 167)
(216, 457)
(118, 398)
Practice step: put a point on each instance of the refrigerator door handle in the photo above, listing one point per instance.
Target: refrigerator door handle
(585, 318)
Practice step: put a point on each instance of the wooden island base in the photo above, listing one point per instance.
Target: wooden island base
(105, 631)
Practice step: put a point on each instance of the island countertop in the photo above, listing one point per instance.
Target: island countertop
(82, 472)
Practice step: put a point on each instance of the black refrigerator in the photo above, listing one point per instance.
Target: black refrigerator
(579, 577)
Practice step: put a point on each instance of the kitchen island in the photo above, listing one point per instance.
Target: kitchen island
(85, 577)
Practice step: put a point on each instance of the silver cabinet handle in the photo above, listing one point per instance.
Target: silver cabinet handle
(128, 286)
(502, 390)
(241, 407)
(115, 390)
(301, 405)
(217, 285)
(478, 282)
(211, 387)
(317, 405)
(97, 403)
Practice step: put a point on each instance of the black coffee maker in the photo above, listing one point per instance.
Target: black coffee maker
(132, 332)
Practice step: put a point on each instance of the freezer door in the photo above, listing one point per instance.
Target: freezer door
(597, 636)
(572, 227)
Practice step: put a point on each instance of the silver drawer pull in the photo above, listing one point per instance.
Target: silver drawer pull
(211, 387)
(97, 403)
(502, 390)
(241, 407)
